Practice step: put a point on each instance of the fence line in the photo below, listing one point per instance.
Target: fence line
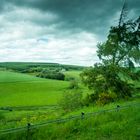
(13, 130)
(8, 108)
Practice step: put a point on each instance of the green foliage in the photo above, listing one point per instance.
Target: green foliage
(105, 79)
(105, 98)
(118, 55)
(68, 78)
(51, 75)
(28, 67)
(122, 46)
(32, 70)
(90, 99)
(73, 84)
(71, 101)
(72, 75)
(100, 99)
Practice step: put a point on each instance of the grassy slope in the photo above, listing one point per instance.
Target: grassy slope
(120, 125)
(107, 126)
(116, 125)
(8, 77)
(74, 73)
(24, 90)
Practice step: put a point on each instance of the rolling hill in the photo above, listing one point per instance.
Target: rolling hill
(24, 90)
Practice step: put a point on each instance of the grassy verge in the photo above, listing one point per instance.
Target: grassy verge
(117, 125)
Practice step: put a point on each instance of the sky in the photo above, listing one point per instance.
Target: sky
(58, 31)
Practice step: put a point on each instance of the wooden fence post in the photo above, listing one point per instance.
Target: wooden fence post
(118, 107)
(82, 115)
(28, 131)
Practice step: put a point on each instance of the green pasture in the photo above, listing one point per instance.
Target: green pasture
(11, 77)
(25, 90)
(72, 74)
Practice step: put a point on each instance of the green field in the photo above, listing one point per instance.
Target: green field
(73, 74)
(24, 90)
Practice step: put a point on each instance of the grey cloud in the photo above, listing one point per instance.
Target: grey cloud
(57, 30)
(90, 15)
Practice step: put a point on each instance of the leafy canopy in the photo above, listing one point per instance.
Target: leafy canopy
(118, 55)
(122, 47)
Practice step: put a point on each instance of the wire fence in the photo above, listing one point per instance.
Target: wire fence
(28, 108)
(81, 116)
(18, 108)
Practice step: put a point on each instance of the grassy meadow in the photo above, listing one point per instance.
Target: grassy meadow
(73, 73)
(24, 90)
(25, 98)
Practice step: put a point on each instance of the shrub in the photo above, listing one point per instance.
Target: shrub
(68, 78)
(73, 84)
(90, 99)
(105, 98)
(102, 80)
(71, 101)
(51, 75)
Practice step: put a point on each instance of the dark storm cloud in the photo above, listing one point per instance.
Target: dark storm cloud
(4, 6)
(90, 15)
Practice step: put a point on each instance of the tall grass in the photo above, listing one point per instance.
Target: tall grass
(117, 125)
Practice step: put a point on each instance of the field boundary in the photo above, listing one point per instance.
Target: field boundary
(81, 116)
(10, 108)
(28, 81)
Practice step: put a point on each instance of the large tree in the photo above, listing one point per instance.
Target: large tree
(118, 55)
(122, 47)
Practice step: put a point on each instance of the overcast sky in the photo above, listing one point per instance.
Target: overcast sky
(59, 31)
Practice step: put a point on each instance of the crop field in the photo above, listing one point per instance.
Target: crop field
(25, 90)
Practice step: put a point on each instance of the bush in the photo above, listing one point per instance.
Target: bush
(105, 98)
(106, 82)
(51, 75)
(90, 99)
(71, 101)
(68, 78)
(73, 84)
